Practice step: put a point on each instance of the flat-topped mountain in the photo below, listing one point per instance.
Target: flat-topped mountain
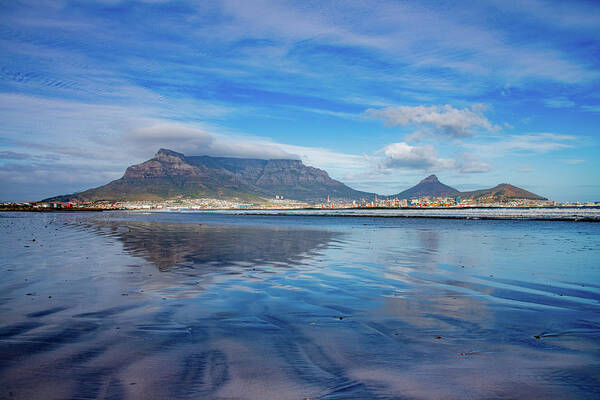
(173, 175)
(501, 193)
(428, 187)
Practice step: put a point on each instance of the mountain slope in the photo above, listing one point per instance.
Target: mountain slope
(172, 175)
(428, 187)
(500, 193)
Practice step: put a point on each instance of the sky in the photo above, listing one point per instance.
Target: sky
(379, 94)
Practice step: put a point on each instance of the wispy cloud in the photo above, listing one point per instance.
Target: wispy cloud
(591, 108)
(443, 120)
(527, 144)
(197, 141)
(573, 161)
(559, 102)
(11, 155)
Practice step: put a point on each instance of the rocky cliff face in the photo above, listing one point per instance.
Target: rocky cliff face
(165, 163)
(291, 173)
(170, 174)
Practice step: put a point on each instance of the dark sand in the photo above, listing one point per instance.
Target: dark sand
(129, 305)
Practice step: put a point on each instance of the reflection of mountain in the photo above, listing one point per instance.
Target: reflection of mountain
(198, 246)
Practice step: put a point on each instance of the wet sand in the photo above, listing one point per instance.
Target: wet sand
(133, 305)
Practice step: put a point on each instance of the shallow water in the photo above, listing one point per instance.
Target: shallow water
(174, 305)
(591, 214)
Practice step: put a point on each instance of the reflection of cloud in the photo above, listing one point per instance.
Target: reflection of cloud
(430, 240)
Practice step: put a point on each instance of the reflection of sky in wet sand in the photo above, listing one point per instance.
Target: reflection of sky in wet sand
(142, 307)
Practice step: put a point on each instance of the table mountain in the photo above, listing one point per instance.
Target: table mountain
(173, 175)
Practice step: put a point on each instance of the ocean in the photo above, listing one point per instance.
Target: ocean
(223, 305)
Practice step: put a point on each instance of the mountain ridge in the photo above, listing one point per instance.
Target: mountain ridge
(170, 174)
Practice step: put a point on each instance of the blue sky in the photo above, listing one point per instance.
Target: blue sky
(378, 93)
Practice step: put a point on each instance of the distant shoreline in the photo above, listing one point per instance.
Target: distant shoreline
(579, 214)
(51, 210)
(573, 214)
(470, 218)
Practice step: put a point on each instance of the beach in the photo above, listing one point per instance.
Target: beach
(228, 306)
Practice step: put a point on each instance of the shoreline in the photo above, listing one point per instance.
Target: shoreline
(523, 214)
(472, 218)
(54, 209)
(572, 214)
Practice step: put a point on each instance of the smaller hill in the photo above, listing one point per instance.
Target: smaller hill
(501, 193)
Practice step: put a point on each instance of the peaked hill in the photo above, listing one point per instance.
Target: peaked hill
(428, 187)
(432, 187)
(173, 175)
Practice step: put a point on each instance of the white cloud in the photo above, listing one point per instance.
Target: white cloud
(192, 140)
(401, 155)
(444, 120)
